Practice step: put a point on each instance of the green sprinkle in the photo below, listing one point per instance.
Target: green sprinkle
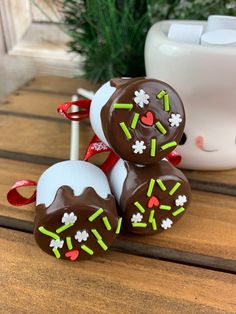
(69, 243)
(139, 224)
(178, 211)
(154, 224)
(48, 233)
(150, 188)
(63, 228)
(161, 94)
(165, 207)
(135, 120)
(106, 223)
(119, 225)
(87, 249)
(102, 244)
(168, 145)
(175, 188)
(151, 216)
(140, 207)
(153, 147)
(95, 215)
(56, 252)
(123, 106)
(161, 185)
(96, 234)
(166, 102)
(161, 127)
(125, 130)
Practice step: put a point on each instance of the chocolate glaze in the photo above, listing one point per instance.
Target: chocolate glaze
(125, 89)
(83, 206)
(135, 189)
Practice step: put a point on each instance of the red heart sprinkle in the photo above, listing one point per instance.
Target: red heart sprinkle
(73, 254)
(174, 158)
(153, 201)
(147, 118)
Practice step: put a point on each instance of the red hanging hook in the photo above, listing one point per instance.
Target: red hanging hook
(82, 113)
(15, 198)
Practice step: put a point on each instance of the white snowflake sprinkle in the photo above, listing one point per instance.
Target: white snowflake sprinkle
(141, 98)
(81, 236)
(56, 243)
(175, 119)
(139, 147)
(99, 146)
(166, 223)
(68, 219)
(180, 200)
(137, 218)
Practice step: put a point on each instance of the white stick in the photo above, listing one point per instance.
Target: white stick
(85, 93)
(74, 138)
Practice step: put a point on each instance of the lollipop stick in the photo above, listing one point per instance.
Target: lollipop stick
(85, 93)
(74, 139)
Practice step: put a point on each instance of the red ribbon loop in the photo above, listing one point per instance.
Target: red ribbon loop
(96, 146)
(15, 198)
(83, 112)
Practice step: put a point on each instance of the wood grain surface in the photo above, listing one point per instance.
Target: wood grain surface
(59, 85)
(33, 282)
(37, 137)
(28, 103)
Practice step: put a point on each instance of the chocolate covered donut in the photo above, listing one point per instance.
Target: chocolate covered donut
(141, 119)
(152, 198)
(76, 215)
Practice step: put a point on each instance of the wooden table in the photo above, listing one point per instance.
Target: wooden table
(188, 269)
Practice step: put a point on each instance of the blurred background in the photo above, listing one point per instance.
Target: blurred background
(97, 39)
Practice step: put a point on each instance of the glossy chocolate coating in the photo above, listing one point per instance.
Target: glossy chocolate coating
(83, 206)
(135, 190)
(143, 131)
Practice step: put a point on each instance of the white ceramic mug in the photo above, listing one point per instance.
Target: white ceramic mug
(205, 78)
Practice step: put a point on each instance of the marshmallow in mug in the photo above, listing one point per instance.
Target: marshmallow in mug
(152, 198)
(141, 119)
(186, 33)
(76, 215)
(220, 37)
(217, 22)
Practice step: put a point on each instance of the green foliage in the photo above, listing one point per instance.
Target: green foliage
(191, 10)
(110, 34)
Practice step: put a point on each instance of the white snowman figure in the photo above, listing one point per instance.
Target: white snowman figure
(209, 140)
(204, 76)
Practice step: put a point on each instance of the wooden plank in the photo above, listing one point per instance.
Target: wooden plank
(34, 136)
(34, 103)
(208, 228)
(214, 181)
(59, 85)
(38, 137)
(225, 177)
(106, 284)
